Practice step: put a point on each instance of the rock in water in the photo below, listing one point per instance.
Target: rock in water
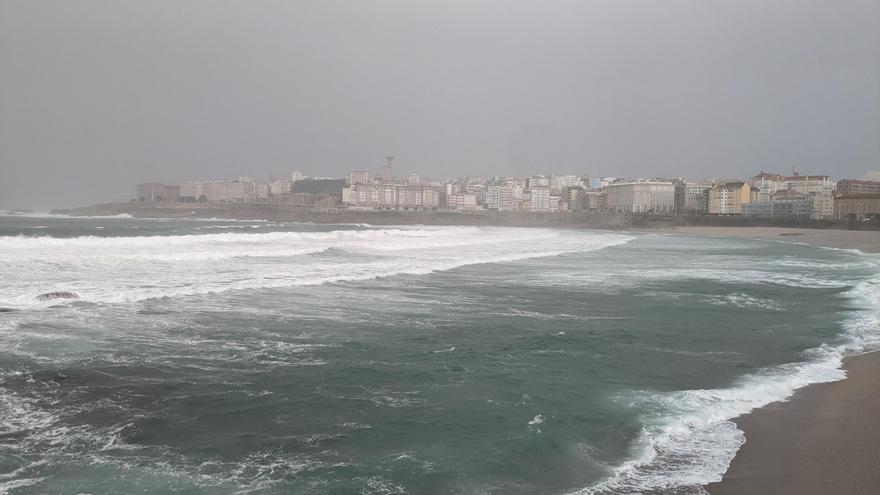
(57, 295)
(6, 310)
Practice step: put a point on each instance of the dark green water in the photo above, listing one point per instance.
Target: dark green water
(211, 357)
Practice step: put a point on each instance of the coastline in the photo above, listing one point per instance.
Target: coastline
(864, 240)
(824, 440)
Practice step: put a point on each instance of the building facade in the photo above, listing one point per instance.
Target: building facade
(819, 187)
(728, 198)
(640, 197)
(857, 206)
(767, 184)
(856, 186)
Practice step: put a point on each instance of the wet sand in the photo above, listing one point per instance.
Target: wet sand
(824, 440)
(863, 240)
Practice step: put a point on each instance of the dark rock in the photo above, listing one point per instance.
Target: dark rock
(6, 310)
(49, 296)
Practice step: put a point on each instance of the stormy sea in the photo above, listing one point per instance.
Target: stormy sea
(225, 357)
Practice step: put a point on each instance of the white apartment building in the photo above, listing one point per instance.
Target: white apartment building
(192, 190)
(359, 177)
(640, 197)
(500, 197)
(561, 182)
(539, 198)
(392, 196)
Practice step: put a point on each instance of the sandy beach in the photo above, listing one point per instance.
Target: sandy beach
(826, 438)
(863, 240)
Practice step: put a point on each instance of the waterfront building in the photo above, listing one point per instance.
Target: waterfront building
(692, 196)
(359, 177)
(873, 175)
(499, 197)
(654, 197)
(392, 196)
(819, 187)
(728, 198)
(785, 203)
(857, 206)
(856, 186)
(559, 182)
(539, 198)
(767, 184)
(462, 201)
(150, 192)
(192, 192)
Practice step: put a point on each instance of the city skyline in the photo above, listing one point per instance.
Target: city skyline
(98, 95)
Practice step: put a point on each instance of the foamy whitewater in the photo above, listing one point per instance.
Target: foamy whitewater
(256, 357)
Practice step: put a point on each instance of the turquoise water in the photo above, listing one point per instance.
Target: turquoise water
(212, 357)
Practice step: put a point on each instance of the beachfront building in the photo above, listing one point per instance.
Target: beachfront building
(819, 187)
(655, 197)
(692, 196)
(728, 198)
(560, 182)
(391, 196)
(767, 184)
(359, 177)
(539, 198)
(857, 206)
(856, 186)
(500, 197)
(784, 203)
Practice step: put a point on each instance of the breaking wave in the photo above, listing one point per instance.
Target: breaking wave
(128, 269)
(689, 438)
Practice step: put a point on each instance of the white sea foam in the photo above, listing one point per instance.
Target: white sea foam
(690, 439)
(128, 269)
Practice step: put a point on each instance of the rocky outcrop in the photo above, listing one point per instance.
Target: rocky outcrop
(50, 296)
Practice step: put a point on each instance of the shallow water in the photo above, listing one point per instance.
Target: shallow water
(257, 357)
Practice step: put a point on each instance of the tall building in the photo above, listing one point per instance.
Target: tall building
(359, 177)
(819, 187)
(560, 182)
(728, 198)
(767, 184)
(692, 196)
(539, 198)
(654, 197)
(387, 171)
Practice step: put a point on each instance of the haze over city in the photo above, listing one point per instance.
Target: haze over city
(97, 96)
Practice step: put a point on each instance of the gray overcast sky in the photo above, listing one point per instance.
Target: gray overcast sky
(98, 95)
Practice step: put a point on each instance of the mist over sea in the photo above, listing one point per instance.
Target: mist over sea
(222, 357)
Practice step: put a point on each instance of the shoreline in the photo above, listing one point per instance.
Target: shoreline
(825, 439)
(865, 241)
